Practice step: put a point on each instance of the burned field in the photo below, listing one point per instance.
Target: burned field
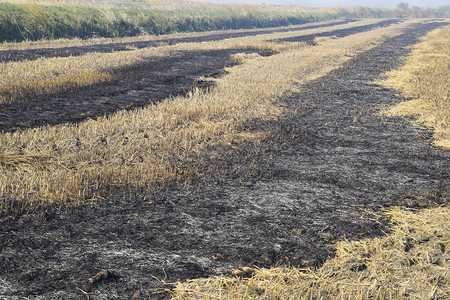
(137, 85)
(322, 172)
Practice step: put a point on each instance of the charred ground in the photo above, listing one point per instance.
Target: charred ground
(323, 174)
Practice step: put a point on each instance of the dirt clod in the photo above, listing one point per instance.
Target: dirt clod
(101, 276)
(27, 275)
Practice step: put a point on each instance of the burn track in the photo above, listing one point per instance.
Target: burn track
(323, 174)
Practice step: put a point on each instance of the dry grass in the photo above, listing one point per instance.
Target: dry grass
(163, 143)
(244, 42)
(425, 79)
(411, 262)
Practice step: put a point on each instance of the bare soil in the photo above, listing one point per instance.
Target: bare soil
(324, 173)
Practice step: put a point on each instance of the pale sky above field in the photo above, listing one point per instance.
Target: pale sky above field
(345, 3)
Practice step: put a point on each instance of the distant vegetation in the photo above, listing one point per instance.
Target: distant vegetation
(399, 12)
(53, 20)
(33, 22)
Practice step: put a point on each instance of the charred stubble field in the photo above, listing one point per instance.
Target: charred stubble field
(137, 85)
(325, 171)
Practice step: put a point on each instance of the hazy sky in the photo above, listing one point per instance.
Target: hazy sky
(347, 3)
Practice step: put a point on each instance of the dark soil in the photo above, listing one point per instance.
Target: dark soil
(324, 173)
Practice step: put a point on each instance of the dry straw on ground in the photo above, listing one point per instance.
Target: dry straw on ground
(162, 143)
(411, 262)
(425, 79)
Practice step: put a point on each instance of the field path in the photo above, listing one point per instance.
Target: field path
(328, 168)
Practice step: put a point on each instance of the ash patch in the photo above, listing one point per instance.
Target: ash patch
(323, 174)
